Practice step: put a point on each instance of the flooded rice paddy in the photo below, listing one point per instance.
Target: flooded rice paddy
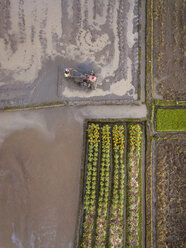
(40, 163)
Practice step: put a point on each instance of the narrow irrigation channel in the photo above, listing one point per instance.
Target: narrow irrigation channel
(111, 211)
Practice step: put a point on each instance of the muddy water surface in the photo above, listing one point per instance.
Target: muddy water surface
(40, 164)
(39, 181)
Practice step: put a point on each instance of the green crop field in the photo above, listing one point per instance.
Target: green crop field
(111, 212)
(171, 120)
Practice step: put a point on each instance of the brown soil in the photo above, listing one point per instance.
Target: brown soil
(170, 177)
(169, 72)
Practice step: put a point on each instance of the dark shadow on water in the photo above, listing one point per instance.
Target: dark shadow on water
(86, 67)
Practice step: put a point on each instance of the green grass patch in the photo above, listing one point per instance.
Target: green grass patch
(33, 106)
(171, 120)
(166, 103)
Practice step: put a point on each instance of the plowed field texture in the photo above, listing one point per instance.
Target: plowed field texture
(111, 210)
(170, 192)
(169, 47)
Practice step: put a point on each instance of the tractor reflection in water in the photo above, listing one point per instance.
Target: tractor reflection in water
(83, 80)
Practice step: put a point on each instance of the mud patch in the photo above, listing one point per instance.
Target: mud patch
(170, 201)
(39, 181)
(108, 38)
(169, 67)
(38, 39)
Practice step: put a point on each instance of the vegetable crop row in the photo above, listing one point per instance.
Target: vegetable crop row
(134, 197)
(91, 185)
(112, 202)
(116, 231)
(104, 188)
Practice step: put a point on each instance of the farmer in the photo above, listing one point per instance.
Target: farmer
(67, 72)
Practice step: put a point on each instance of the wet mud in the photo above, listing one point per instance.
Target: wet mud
(169, 65)
(170, 200)
(39, 39)
(39, 181)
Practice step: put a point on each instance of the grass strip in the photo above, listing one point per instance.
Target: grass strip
(171, 120)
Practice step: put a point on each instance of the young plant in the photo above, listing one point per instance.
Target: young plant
(90, 185)
(134, 197)
(104, 188)
(116, 231)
